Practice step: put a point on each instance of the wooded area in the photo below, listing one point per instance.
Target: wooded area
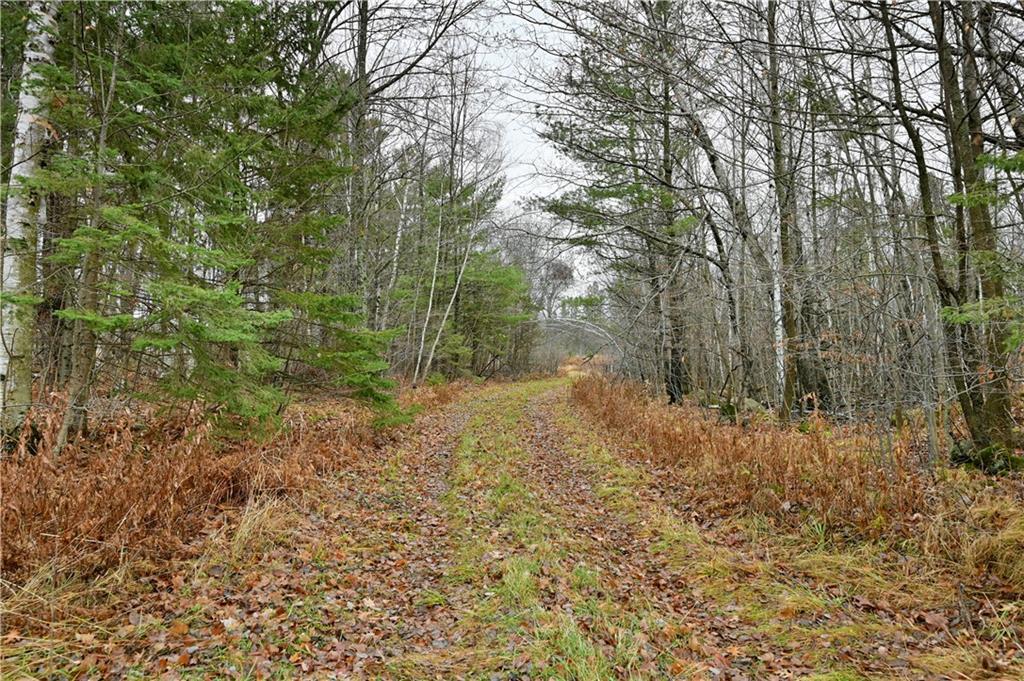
(221, 204)
(546, 338)
(799, 206)
(807, 206)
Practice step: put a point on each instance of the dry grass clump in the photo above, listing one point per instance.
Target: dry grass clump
(129, 491)
(841, 479)
(431, 395)
(999, 546)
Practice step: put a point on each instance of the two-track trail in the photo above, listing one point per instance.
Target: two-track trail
(505, 539)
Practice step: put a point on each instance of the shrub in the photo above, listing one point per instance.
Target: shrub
(131, 491)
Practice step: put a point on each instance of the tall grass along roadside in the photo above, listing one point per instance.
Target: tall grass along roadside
(834, 478)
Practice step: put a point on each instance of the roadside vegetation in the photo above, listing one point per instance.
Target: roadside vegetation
(521, 530)
(511, 340)
(873, 522)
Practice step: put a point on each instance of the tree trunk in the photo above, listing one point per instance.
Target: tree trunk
(788, 236)
(677, 374)
(993, 424)
(447, 310)
(430, 303)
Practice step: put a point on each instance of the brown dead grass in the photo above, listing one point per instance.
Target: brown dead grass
(144, 496)
(431, 396)
(143, 486)
(146, 499)
(997, 544)
(130, 491)
(774, 471)
(582, 366)
(828, 479)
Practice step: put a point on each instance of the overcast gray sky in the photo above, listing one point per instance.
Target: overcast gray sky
(511, 63)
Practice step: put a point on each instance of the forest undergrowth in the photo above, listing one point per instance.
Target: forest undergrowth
(843, 481)
(147, 488)
(559, 528)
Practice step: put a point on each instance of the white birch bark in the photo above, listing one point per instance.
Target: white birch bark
(403, 209)
(430, 303)
(17, 321)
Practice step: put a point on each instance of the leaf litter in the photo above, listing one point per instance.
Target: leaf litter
(506, 537)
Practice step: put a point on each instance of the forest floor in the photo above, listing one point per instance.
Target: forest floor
(507, 538)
